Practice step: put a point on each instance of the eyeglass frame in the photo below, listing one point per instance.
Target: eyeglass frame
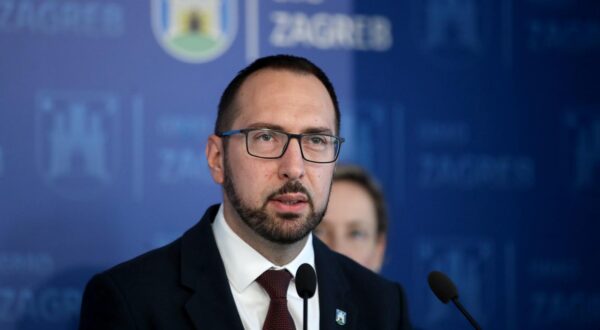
(290, 136)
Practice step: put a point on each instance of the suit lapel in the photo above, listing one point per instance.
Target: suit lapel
(211, 305)
(337, 312)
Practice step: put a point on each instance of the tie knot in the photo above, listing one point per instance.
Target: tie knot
(275, 282)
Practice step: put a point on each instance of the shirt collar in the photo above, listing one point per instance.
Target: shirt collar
(242, 263)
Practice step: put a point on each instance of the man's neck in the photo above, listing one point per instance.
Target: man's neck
(278, 254)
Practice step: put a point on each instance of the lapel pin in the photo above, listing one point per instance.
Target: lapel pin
(340, 317)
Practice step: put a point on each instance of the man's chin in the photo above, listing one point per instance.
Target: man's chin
(285, 238)
(288, 227)
(289, 216)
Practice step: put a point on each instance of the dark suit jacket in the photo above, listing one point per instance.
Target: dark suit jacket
(184, 286)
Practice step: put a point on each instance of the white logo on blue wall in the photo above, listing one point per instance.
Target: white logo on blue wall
(77, 133)
(363, 121)
(586, 150)
(195, 31)
(451, 24)
(452, 32)
(470, 263)
(587, 154)
(76, 140)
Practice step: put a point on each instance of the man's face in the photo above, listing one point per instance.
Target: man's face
(280, 200)
(350, 225)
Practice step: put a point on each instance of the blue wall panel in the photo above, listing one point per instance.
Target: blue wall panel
(480, 117)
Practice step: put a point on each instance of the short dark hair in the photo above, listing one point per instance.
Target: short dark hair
(356, 174)
(296, 64)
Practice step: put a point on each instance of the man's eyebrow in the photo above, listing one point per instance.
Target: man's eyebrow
(317, 130)
(265, 125)
(309, 130)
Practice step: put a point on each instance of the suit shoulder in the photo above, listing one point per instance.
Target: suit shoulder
(158, 263)
(377, 295)
(358, 273)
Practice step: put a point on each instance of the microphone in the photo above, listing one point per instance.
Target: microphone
(445, 290)
(306, 284)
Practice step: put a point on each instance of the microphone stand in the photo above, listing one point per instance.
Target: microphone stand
(305, 313)
(464, 311)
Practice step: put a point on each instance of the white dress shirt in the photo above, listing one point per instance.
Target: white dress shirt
(243, 265)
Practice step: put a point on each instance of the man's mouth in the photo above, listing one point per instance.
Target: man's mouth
(290, 202)
(291, 199)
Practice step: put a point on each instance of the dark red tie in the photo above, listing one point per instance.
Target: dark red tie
(276, 283)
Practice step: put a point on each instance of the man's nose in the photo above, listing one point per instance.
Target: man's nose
(291, 163)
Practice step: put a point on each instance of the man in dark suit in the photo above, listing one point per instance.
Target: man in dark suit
(273, 152)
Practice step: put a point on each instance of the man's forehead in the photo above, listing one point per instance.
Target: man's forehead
(283, 99)
(308, 123)
(279, 80)
(305, 129)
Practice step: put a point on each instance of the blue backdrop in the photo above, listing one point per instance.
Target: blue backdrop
(480, 117)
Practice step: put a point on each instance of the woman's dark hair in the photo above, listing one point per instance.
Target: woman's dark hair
(357, 175)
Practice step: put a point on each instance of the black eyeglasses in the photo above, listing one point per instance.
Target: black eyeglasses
(271, 144)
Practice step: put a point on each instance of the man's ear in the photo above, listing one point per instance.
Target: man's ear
(214, 157)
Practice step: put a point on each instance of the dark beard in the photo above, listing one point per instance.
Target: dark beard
(269, 227)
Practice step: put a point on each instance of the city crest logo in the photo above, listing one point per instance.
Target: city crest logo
(453, 34)
(194, 31)
(77, 141)
(472, 263)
